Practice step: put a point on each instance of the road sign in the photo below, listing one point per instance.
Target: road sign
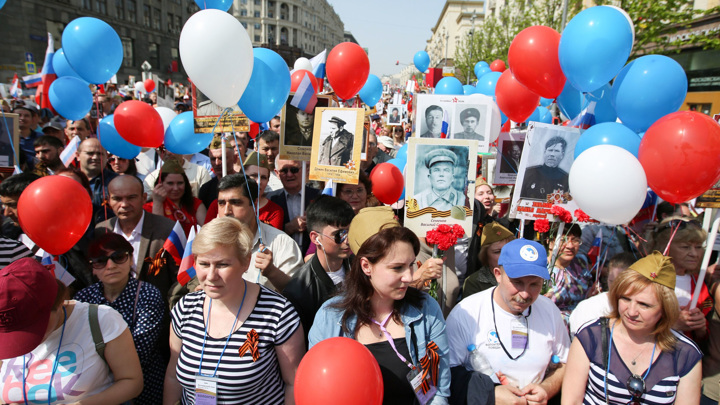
(146, 66)
(30, 68)
(29, 57)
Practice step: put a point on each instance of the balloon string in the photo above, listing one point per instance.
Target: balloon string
(102, 171)
(12, 145)
(667, 248)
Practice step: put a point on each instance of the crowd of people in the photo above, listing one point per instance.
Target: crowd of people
(276, 275)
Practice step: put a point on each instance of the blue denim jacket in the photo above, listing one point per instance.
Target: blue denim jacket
(426, 323)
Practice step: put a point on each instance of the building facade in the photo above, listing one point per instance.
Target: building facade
(457, 20)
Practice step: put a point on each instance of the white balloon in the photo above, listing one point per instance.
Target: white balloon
(303, 63)
(495, 119)
(140, 87)
(166, 114)
(608, 183)
(217, 54)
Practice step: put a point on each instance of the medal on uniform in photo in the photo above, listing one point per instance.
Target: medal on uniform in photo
(205, 390)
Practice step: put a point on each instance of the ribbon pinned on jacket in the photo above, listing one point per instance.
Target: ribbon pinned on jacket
(156, 263)
(251, 344)
(429, 364)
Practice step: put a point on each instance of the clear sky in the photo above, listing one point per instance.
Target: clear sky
(391, 30)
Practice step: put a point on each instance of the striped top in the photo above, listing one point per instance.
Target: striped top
(660, 384)
(11, 250)
(241, 381)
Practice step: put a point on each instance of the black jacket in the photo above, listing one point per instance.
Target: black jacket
(278, 197)
(308, 289)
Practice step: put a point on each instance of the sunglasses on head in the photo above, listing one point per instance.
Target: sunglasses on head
(677, 223)
(636, 387)
(338, 237)
(293, 170)
(98, 263)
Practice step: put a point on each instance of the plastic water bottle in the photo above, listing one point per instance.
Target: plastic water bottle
(554, 362)
(478, 361)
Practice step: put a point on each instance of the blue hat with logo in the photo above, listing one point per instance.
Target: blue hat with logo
(523, 257)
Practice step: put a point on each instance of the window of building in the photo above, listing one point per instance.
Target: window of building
(153, 54)
(243, 1)
(257, 2)
(701, 108)
(101, 6)
(146, 15)
(170, 20)
(132, 10)
(244, 24)
(257, 26)
(257, 38)
(87, 4)
(243, 13)
(156, 18)
(128, 53)
(120, 9)
(178, 23)
(174, 53)
(257, 14)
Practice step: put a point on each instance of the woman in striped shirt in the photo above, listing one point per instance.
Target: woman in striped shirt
(634, 357)
(234, 342)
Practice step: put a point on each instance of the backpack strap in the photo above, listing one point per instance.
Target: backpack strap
(96, 331)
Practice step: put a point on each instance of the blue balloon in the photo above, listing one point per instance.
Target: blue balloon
(481, 71)
(372, 90)
(2, 3)
(541, 114)
(647, 89)
(486, 84)
(402, 152)
(608, 133)
(468, 89)
(604, 109)
(93, 49)
(70, 97)
(545, 101)
(223, 5)
(450, 86)
(594, 46)
(180, 137)
(570, 101)
(650, 198)
(61, 66)
(421, 60)
(113, 142)
(268, 89)
(400, 164)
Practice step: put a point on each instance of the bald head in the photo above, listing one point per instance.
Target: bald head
(92, 156)
(126, 200)
(126, 182)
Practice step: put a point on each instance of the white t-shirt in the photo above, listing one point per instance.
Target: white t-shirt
(683, 289)
(80, 373)
(338, 276)
(588, 310)
(471, 321)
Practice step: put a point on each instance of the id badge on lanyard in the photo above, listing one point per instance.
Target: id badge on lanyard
(416, 382)
(205, 390)
(519, 335)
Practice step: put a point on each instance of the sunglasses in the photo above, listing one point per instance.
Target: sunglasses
(677, 223)
(293, 170)
(636, 386)
(338, 237)
(99, 263)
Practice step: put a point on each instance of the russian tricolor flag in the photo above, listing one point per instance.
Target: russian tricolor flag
(15, 88)
(68, 154)
(32, 80)
(445, 125)
(594, 250)
(318, 65)
(187, 270)
(586, 118)
(305, 98)
(329, 188)
(176, 243)
(48, 76)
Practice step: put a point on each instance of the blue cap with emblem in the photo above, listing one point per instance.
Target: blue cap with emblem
(523, 257)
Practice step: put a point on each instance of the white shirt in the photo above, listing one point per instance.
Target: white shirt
(683, 289)
(274, 183)
(338, 276)
(293, 205)
(81, 372)
(134, 237)
(589, 310)
(204, 161)
(286, 254)
(197, 175)
(471, 321)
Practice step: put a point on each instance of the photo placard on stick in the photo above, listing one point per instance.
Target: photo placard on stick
(297, 128)
(454, 117)
(206, 114)
(440, 183)
(337, 142)
(542, 180)
(509, 152)
(397, 114)
(7, 154)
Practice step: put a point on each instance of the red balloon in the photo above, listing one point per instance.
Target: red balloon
(338, 370)
(498, 66)
(297, 78)
(680, 153)
(514, 99)
(347, 69)
(388, 183)
(55, 211)
(139, 123)
(533, 59)
(149, 85)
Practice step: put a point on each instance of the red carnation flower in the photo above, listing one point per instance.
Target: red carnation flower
(581, 216)
(542, 225)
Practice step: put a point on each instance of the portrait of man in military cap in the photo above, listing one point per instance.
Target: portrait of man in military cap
(337, 147)
(469, 121)
(439, 193)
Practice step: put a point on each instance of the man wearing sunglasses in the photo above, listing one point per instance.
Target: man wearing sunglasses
(317, 280)
(275, 256)
(514, 327)
(288, 198)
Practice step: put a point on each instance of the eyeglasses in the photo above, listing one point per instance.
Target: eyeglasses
(10, 205)
(293, 170)
(99, 263)
(636, 387)
(571, 241)
(117, 159)
(339, 237)
(348, 192)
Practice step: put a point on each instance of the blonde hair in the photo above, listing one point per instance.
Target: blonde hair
(226, 231)
(631, 282)
(691, 233)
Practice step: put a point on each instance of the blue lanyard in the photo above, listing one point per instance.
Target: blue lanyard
(612, 332)
(202, 353)
(55, 363)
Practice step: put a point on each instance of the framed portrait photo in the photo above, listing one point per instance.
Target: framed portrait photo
(297, 128)
(397, 114)
(207, 114)
(7, 154)
(509, 152)
(440, 183)
(337, 142)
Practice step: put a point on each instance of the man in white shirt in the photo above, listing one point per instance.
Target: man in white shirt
(514, 327)
(275, 255)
